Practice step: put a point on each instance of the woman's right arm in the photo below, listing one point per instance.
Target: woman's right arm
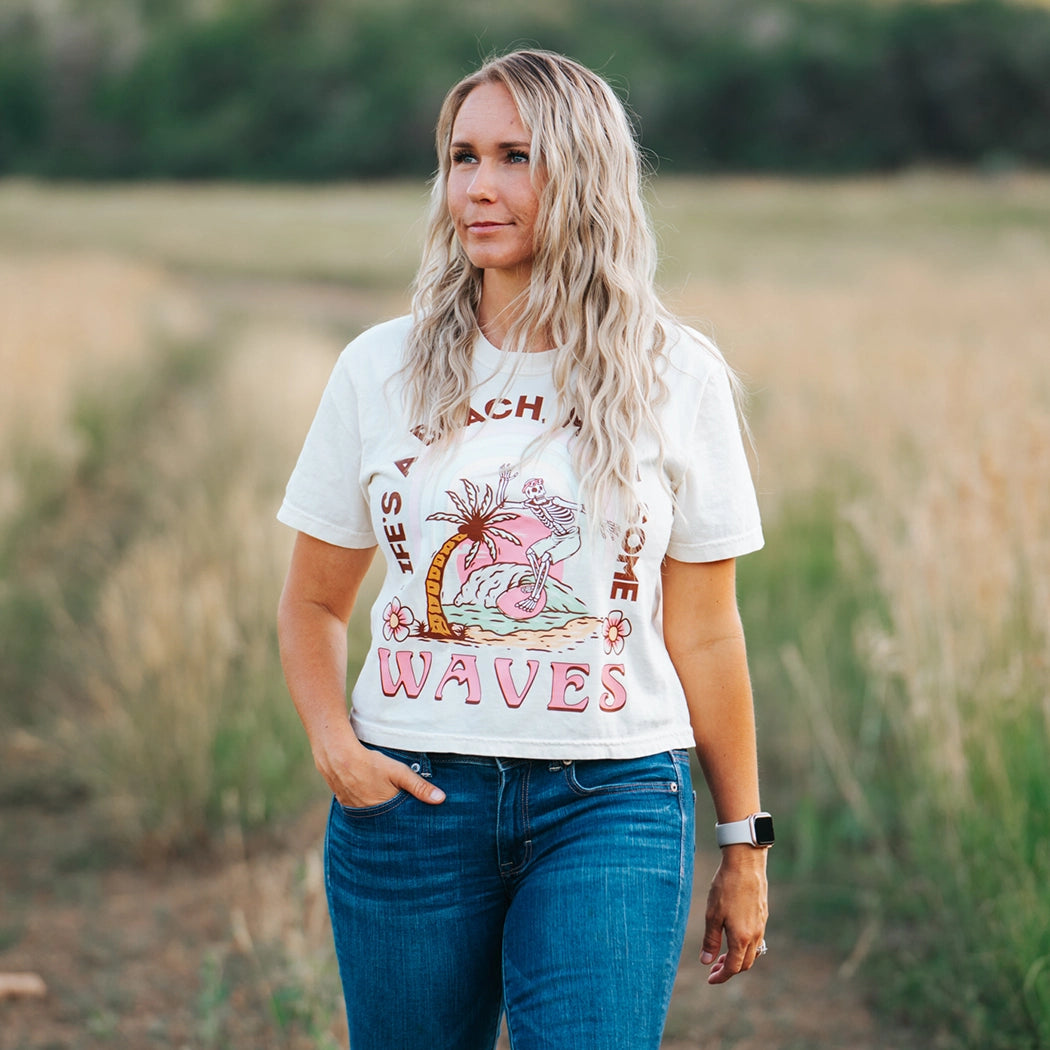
(319, 594)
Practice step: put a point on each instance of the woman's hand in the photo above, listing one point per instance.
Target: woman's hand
(360, 777)
(737, 904)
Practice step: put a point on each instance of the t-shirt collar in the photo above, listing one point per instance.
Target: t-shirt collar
(490, 358)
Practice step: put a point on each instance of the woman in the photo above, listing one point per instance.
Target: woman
(553, 469)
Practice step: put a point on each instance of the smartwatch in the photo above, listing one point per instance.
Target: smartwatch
(756, 830)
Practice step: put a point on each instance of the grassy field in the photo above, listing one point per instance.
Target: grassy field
(162, 349)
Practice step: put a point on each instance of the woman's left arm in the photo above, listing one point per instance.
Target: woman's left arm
(705, 639)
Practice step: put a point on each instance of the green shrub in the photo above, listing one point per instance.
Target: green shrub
(268, 89)
(885, 825)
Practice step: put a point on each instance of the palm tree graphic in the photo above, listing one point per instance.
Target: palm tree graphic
(476, 519)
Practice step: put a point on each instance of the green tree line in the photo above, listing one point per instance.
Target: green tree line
(321, 89)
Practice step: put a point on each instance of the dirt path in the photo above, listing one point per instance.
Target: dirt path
(797, 996)
(195, 955)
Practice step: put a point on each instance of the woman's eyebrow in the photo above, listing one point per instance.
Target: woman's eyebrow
(462, 144)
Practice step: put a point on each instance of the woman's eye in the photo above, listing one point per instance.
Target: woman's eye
(462, 156)
(518, 157)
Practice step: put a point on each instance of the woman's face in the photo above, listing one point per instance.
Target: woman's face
(491, 199)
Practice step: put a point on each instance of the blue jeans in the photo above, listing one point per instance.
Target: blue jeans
(556, 891)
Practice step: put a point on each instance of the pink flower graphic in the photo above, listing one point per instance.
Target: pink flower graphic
(397, 621)
(615, 628)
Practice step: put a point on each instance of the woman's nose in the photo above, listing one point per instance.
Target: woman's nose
(482, 185)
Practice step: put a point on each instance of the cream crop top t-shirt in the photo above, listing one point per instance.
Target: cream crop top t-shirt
(505, 624)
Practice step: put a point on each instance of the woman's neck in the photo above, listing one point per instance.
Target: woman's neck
(502, 302)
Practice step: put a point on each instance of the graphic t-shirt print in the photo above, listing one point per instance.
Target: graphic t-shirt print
(507, 566)
(507, 557)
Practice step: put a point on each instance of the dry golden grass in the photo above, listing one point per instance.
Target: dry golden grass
(931, 390)
(894, 330)
(368, 235)
(72, 322)
(893, 334)
(899, 358)
(184, 625)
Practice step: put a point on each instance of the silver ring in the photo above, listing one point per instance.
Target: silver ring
(762, 949)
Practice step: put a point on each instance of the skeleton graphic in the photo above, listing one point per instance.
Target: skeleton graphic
(553, 513)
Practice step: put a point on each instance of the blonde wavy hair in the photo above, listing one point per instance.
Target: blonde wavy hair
(592, 281)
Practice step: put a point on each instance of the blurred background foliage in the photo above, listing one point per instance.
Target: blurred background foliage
(322, 89)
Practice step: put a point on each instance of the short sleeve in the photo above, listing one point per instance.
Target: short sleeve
(325, 496)
(716, 511)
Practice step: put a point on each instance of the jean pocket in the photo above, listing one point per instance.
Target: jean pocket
(654, 773)
(359, 812)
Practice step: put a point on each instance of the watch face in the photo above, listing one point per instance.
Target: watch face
(763, 830)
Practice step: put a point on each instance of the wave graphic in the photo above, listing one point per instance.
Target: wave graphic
(476, 603)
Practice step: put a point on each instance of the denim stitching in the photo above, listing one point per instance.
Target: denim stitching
(526, 827)
(671, 787)
(684, 897)
(364, 812)
(509, 870)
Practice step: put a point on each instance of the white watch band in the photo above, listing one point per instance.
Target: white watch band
(742, 832)
(734, 833)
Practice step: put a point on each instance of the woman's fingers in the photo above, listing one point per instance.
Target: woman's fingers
(742, 949)
(379, 779)
(422, 788)
(736, 959)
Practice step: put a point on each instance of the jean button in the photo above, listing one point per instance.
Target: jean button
(674, 788)
(415, 767)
